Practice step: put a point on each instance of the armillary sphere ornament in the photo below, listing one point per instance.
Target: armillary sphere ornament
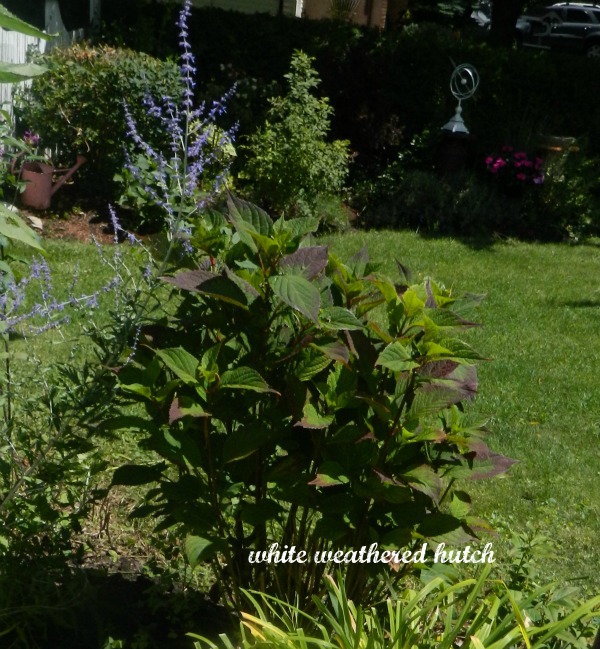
(463, 84)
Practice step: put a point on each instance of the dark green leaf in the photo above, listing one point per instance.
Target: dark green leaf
(180, 362)
(312, 363)
(243, 442)
(262, 512)
(330, 474)
(244, 378)
(297, 292)
(424, 479)
(198, 549)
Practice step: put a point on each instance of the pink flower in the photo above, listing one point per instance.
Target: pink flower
(489, 160)
(33, 139)
(520, 155)
(521, 177)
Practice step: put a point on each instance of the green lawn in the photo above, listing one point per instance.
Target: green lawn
(541, 388)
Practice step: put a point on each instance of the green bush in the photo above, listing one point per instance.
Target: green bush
(78, 107)
(290, 163)
(286, 410)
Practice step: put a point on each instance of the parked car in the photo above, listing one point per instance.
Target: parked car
(482, 14)
(564, 26)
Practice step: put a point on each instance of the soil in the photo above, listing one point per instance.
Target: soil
(78, 225)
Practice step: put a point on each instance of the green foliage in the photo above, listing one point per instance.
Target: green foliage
(78, 106)
(475, 613)
(291, 163)
(287, 408)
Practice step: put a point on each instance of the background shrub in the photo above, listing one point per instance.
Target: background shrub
(290, 163)
(77, 107)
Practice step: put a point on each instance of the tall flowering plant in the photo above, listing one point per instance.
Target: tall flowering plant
(515, 169)
(175, 179)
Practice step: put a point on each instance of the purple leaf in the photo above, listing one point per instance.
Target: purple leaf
(311, 261)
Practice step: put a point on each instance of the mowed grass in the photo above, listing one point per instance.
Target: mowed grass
(541, 387)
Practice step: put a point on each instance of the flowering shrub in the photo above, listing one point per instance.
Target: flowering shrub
(516, 168)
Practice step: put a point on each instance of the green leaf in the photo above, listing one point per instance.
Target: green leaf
(251, 214)
(330, 474)
(312, 363)
(180, 362)
(199, 549)
(243, 442)
(248, 219)
(444, 528)
(424, 479)
(244, 378)
(460, 505)
(312, 419)
(397, 357)
(299, 293)
(17, 72)
(298, 228)
(137, 474)
(338, 318)
(14, 228)
(10, 22)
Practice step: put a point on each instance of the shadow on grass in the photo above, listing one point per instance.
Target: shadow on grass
(87, 608)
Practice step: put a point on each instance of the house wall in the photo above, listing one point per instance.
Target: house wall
(290, 7)
(371, 13)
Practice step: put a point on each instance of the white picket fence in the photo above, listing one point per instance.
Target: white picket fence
(14, 46)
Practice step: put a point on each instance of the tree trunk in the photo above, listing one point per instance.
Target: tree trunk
(504, 17)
